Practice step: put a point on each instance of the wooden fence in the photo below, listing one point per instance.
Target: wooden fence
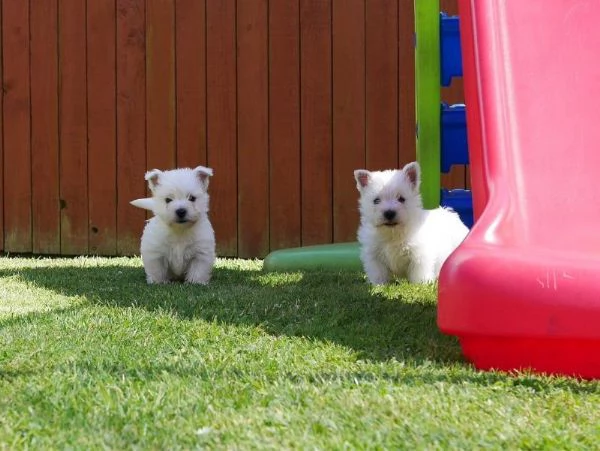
(282, 98)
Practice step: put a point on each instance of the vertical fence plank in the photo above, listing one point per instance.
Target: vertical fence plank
(73, 126)
(253, 128)
(348, 113)
(131, 122)
(190, 44)
(284, 123)
(17, 109)
(382, 84)
(221, 121)
(406, 83)
(44, 127)
(160, 84)
(102, 155)
(315, 107)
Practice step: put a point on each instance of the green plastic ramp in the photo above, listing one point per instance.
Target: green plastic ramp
(323, 257)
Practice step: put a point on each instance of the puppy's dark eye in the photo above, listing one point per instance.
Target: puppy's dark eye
(401, 199)
(376, 200)
(168, 200)
(192, 198)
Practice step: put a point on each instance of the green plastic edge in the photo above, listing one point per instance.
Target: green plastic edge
(428, 98)
(324, 257)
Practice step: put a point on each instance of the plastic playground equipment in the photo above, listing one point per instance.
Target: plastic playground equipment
(523, 290)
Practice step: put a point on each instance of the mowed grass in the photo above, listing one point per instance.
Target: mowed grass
(93, 358)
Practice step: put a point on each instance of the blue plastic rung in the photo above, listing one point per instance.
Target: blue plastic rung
(461, 201)
(454, 146)
(450, 54)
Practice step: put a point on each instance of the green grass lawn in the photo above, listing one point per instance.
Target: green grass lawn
(93, 358)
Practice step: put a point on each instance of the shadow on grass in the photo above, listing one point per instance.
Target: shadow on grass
(397, 322)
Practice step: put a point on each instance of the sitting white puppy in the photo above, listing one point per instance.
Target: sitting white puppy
(178, 243)
(397, 236)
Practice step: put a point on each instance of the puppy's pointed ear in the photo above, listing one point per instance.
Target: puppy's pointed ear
(413, 172)
(363, 177)
(153, 178)
(203, 174)
(146, 203)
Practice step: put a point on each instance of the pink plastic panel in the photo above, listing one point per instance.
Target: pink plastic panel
(523, 291)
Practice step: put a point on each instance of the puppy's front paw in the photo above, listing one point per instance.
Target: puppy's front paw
(378, 281)
(199, 274)
(378, 276)
(156, 271)
(198, 281)
(156, 281)
(377, 273)
(421, 275)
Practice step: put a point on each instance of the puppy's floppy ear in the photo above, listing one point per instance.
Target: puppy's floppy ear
(363, 177)
(413, 172)
(153, 177)
(203, 174)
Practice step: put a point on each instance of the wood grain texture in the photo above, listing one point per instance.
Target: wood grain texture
(222, 122)
(284, 124)
(160, 84)
(348, 113)
(190, 44)
(316, 121)
(382, 84)
(73, 126)
(45, 204)
(253, 128)
(17, 126)
(406, 84)
(102, 126)
(131, 122)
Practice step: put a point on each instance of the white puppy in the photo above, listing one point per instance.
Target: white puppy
(397, 236)
(178, 243)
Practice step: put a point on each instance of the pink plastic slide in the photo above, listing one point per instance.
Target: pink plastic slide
(523, 290)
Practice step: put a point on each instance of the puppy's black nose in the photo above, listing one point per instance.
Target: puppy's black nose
(181, 212)
(389, 214)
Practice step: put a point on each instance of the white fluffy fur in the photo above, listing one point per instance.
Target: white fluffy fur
(178, 243)
(410, 242)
